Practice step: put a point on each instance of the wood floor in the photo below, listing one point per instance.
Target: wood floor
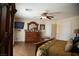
(23, 49)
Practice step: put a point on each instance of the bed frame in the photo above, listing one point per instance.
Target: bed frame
(37, 45)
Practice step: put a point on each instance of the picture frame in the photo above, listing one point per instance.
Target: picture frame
(42, 26)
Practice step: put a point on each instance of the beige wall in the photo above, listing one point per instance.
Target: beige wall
(63, 31)
(66, 27)
(20, 35)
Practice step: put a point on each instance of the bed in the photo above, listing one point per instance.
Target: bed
(52, 47)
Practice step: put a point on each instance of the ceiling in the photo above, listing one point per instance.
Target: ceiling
(34, 10)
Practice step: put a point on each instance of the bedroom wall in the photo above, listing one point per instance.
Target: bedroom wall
(66, 27)
(20, 35)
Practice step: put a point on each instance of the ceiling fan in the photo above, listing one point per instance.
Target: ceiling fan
(46, 16)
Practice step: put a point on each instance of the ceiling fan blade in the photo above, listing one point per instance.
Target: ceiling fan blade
(44, 14)
(48, 17)
(52, 13)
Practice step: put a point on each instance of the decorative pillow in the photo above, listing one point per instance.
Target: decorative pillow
(39, 53)
(68, 46)
(42, 50)
(76, 39)
(78, 45)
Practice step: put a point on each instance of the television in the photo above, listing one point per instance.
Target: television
(19, 25)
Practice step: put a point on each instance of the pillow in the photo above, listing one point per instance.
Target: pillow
(76, 39)
(75, 48)
(39, 53)
(78, 45)
(68, 46)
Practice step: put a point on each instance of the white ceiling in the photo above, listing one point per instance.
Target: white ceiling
(65, 10)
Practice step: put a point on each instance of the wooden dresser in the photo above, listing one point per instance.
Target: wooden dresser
(32, 36)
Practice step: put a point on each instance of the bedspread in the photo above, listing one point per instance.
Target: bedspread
(53, 48)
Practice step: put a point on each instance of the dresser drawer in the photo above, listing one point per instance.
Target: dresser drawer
(32, 36)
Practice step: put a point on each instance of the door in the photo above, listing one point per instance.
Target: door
(65, 33)
(7, 12)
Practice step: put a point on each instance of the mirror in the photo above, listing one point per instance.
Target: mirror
(32, 26)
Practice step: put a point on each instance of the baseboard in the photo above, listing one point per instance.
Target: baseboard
(19, 41)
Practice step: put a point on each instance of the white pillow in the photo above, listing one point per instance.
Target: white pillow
(39, 52)
(68, 46)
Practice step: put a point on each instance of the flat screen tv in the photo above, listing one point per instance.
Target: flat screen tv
(19, 25)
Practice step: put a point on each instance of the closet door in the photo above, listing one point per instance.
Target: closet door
(7, 12)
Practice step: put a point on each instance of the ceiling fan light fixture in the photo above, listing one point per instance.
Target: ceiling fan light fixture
(43, 17)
